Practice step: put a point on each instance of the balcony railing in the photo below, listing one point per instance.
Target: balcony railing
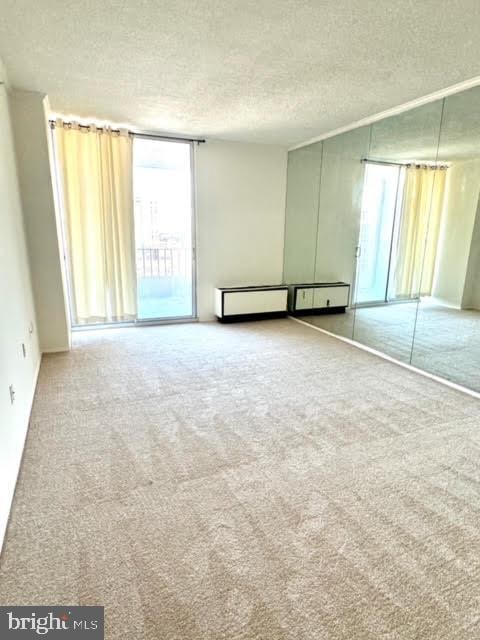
(153, 262)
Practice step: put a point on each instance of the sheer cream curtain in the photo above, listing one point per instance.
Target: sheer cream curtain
(419, 230)
(96, 190)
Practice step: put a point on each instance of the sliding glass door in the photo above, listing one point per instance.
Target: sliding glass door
(162, 183)
(127, 224)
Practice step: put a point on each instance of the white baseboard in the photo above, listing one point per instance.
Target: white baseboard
(35, 382)
(410, 367)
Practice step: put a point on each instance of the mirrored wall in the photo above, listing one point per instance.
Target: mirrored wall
(390, 213)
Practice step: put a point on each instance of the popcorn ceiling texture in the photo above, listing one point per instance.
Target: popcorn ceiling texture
(259, 481)
(270, 71)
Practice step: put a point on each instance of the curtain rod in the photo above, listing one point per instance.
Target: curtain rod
(407, 164)
(131, 132)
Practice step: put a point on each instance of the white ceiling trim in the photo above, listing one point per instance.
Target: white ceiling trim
(418, 102)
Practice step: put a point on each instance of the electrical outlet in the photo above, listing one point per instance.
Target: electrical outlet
(30, 328)
(12, 394)
(24, 350)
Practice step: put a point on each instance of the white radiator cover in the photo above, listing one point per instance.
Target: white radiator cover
(250, 301)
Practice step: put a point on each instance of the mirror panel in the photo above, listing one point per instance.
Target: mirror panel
(412, 135)
(407, 191)
(447, 336)
(303, 187)
(338, 223)
(394, 220)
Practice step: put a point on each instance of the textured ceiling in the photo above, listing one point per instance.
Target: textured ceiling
(275, 71)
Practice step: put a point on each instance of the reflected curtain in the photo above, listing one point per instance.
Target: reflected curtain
(419, 231)
(96, 191)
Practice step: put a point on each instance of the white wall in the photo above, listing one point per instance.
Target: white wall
(240, 207)
(16, 319)
(456, 228)
(48, 278)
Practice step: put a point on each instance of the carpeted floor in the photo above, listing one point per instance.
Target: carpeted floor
(446, 342)
(259, 481)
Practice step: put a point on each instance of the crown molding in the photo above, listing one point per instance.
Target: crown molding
(406, 106)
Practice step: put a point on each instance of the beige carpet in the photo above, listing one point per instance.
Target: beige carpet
(259, 481)
(447, 340)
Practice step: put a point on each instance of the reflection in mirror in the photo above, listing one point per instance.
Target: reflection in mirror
(447, 336)
(381, 205)
(337, 230)
(405, 191)
(401, 188)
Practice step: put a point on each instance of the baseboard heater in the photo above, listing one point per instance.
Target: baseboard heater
(233, 304)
